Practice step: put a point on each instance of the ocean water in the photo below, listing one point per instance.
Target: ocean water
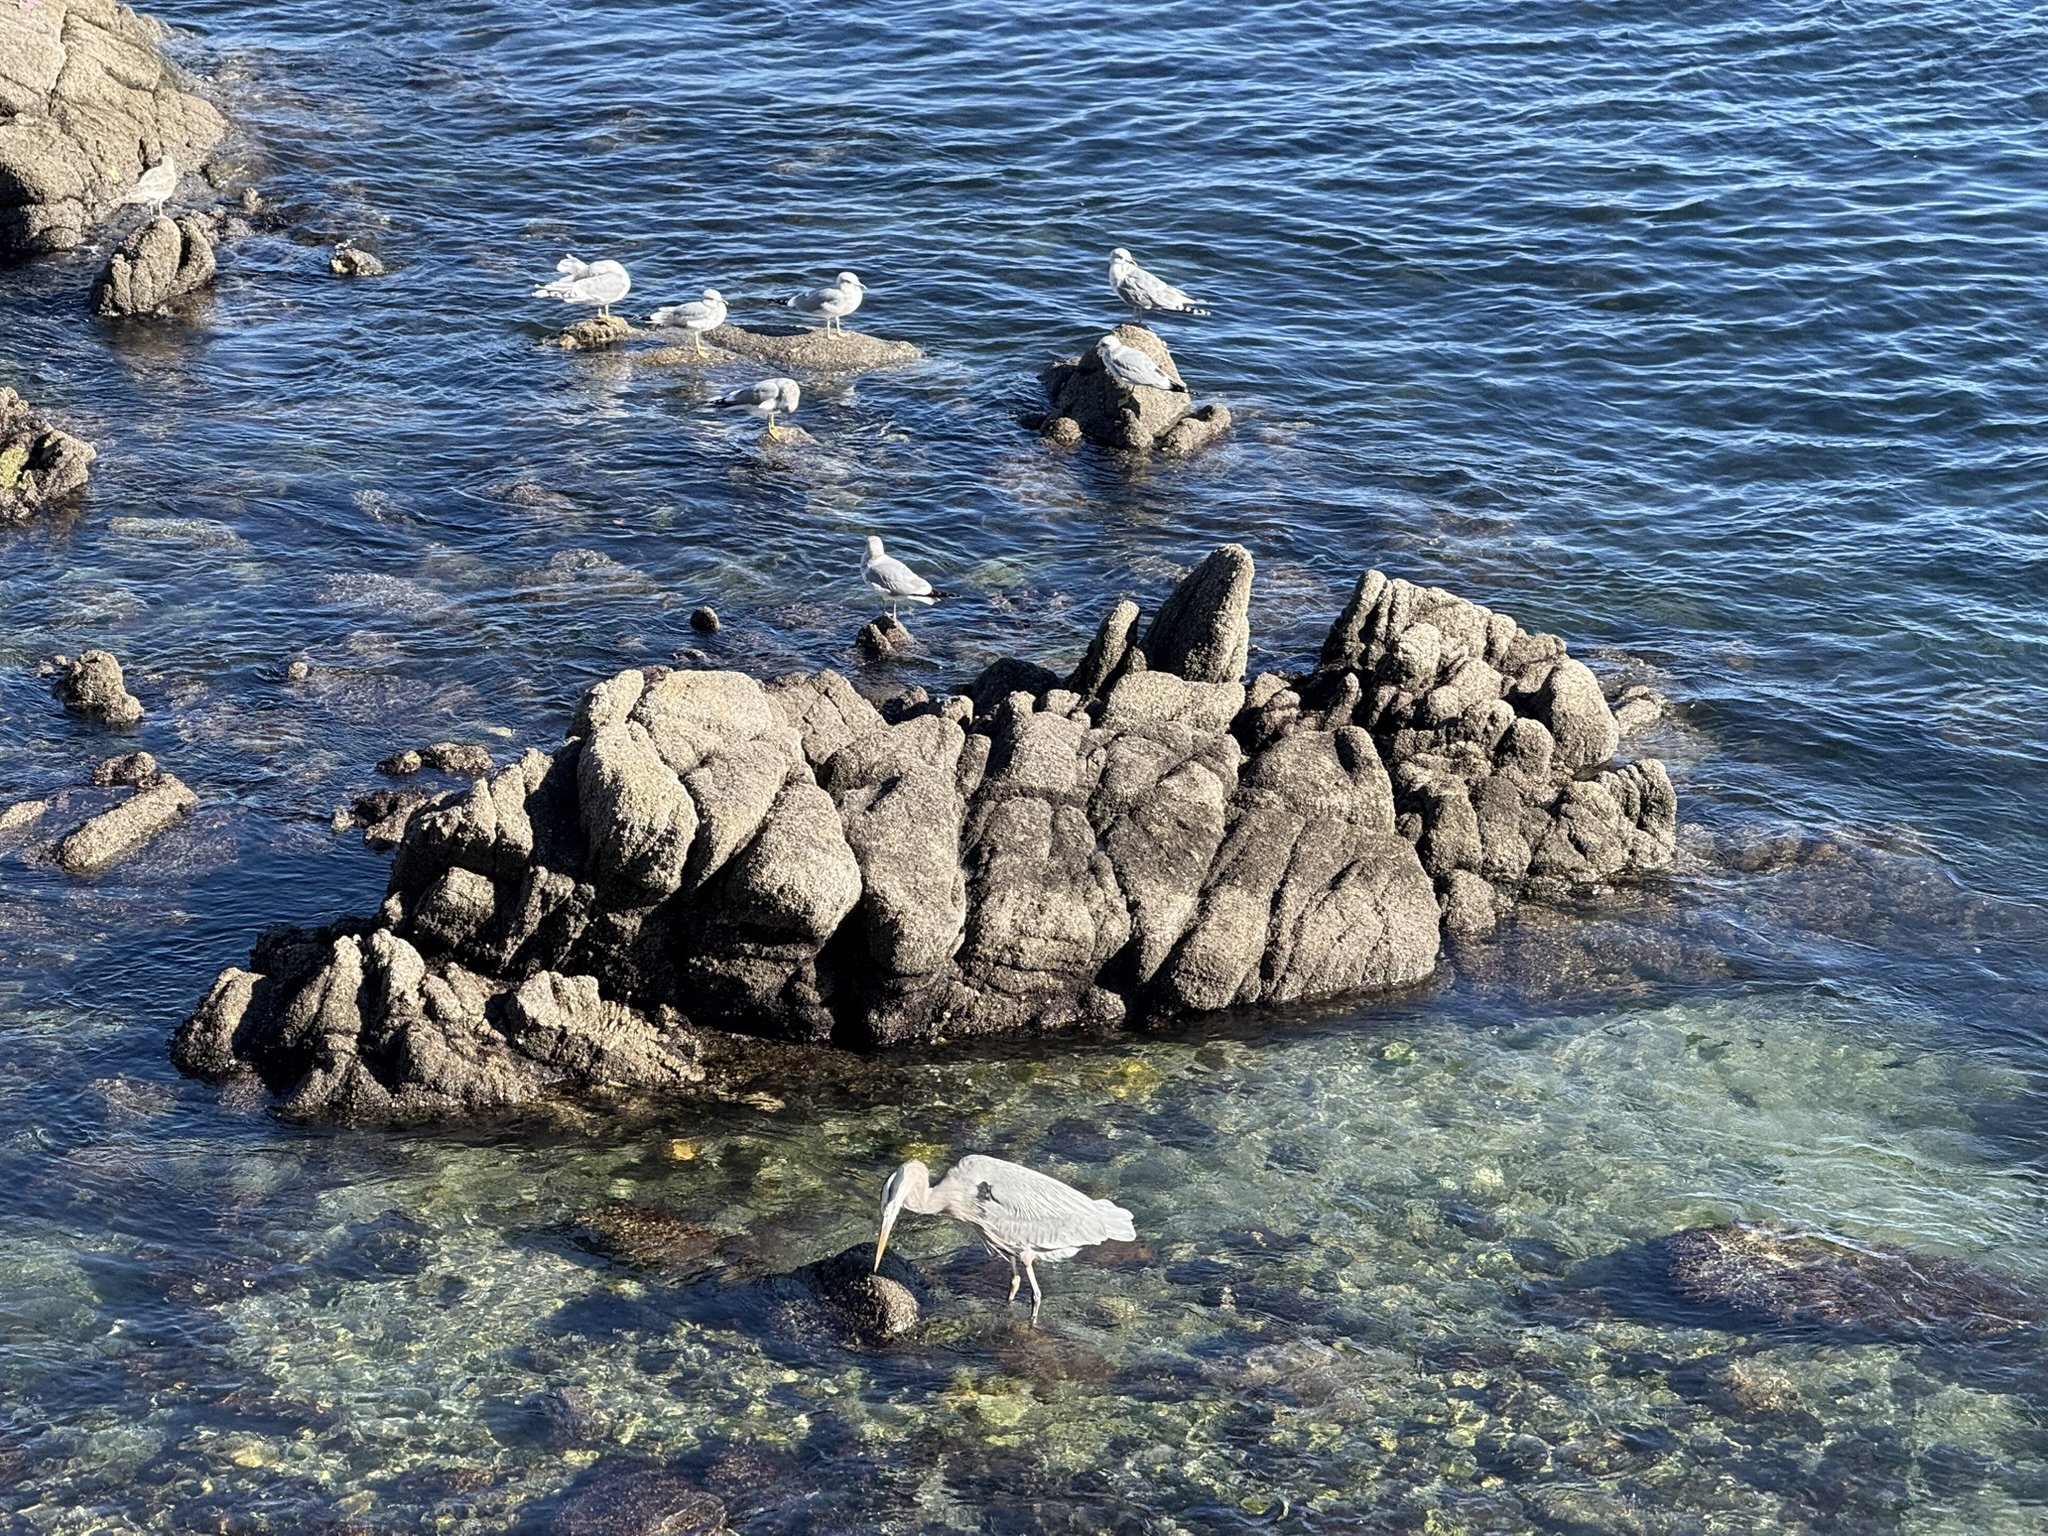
(1711, 341)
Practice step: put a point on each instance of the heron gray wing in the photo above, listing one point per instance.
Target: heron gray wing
(1018, 1207)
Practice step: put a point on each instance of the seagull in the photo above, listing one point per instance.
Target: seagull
(602, 283)
(768, 399)
(1025, 1216)
(1142, 291)
(696, 317)
(894, 580)
(155, 185)
(1132, 368)
(834, 303)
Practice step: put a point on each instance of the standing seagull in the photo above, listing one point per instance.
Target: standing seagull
(155, 185)
(1132, 368)
(834, 303)
(768, 399)
(602, 283)
(1024, 1215)
(697, 316)
(899, 584)
(1142, 291)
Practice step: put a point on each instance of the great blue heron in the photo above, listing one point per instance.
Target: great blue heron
(1142, 291)
(697, 316)
(899, 584)
(155, 185)
(768, 399)
(602, 283)
(1026, 1216)
(1132, 368)
(834, 303)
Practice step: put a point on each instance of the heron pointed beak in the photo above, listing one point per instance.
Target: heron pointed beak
(888, 1225)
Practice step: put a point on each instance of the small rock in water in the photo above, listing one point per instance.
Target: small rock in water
(636, 1501)
(875, 1307)
(298, 672)
(463, 759)
(137, 770)
(93, 685)
(21, 814)
(106, 839)
(1063, 432)
(646, 1237)
(1637, 708)
(38, 462)
(349, 260)
(562, 1417)
(597, 331)
(704, 620)
(162, 263)
(882, 638)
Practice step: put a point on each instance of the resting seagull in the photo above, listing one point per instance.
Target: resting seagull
(768, 399)
(155, 185)
(834, 303)
(1142, 291)
(893, 579)
(1132, 368)
(696, 317)
(602, 283)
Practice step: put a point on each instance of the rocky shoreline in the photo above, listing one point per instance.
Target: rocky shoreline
(1147, 835)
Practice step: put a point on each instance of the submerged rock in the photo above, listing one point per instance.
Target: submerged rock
(464, 759)
(1767, 1275)
(820, 351)
(1035, 853)
(39, 463)
(647, 1237)
(351, 260)
(87, 103)
(1087, 401)
(595, 332)
(162, 263)
(636, 1500)
(93, 685)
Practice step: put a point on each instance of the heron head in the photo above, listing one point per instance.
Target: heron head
(905, 1184)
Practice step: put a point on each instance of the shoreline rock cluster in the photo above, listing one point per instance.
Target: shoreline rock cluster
(87, 103)
(1146, 835)
(40, 463)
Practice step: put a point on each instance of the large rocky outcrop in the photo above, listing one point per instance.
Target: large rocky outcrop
(86, 104)
(163, 262)
(707, 851)
(1087, 401)
(39, 463)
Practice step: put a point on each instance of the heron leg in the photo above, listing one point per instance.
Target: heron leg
(1017, 1279)
(1037, 1296)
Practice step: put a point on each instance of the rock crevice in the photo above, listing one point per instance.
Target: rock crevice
(1149, 834)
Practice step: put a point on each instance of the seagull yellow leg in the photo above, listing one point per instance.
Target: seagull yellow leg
(773, 430)
(698, 336)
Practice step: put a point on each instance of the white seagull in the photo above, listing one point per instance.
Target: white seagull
(834, 303)
(602, 283)
(155, 185)
(697, 316)
(1132, 368)
(1142, 291)
(768, 399)
(893, 579)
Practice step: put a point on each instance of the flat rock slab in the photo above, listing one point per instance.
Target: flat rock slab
(688, 357)
(820, 351)
(106, 839)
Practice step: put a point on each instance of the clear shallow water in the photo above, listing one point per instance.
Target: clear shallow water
(1713, 345)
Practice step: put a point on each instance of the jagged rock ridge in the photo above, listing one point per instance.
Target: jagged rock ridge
(706, 850)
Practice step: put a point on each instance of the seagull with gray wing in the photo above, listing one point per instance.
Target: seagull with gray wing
(696, 316)
(893, 579)
(602, 283)
(1132, 368)
(1142, 291)
(834, 303)
(1025, 1216)
(768, 399)
(154, 186)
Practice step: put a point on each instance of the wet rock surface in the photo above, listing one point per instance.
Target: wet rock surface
(162, 264)
(869, 1307)
(819, 350)
(87, 103)
(464, 759)
(40, 463)
(1040, 853)
(351, 260)
(93, 686)
(1087, 402)
(596, 332)
(103, 841)
(636, 1500)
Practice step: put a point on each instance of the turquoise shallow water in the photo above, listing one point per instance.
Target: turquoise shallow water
(1709, 341)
